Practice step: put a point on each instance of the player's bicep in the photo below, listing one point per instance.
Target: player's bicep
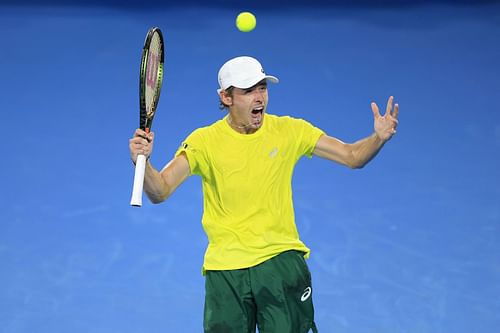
(176, 172)
(334, 150)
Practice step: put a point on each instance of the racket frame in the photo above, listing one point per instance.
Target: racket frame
(146, 116)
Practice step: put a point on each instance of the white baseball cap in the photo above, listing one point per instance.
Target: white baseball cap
(242, 72)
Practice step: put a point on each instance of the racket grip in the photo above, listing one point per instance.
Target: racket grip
(140, 167)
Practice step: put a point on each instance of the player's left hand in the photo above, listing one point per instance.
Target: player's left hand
(385, 126)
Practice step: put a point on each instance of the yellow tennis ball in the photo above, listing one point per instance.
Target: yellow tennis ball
(246, 21)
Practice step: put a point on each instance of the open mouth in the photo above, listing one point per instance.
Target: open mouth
(257, 115)
(258, 110)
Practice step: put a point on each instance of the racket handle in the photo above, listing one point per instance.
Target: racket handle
(140, 167)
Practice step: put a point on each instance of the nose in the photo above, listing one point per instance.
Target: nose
(259, 95)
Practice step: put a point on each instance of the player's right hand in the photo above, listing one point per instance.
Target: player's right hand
(141, 144)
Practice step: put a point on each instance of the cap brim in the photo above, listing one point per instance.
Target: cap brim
(270, 78)
(251, 83)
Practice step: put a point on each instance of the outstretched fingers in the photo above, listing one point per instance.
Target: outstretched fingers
(395, 111)
(388, 109)
(376, 112)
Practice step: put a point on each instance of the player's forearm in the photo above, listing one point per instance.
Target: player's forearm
(364, 150)
(155, 187)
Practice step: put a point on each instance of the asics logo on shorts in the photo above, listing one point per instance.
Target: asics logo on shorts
(306, 294)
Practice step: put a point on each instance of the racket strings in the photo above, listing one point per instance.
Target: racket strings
(154, 74)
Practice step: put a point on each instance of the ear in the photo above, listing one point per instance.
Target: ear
(226, 98)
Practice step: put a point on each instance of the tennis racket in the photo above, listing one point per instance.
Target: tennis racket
(150, 81)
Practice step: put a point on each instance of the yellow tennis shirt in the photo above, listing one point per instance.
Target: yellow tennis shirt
(247, 188)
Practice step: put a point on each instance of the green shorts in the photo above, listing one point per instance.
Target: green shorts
(275, 296)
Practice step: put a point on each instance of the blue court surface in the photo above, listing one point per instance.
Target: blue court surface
(408, 244)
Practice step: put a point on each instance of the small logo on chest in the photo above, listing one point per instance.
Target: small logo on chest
(273, 152)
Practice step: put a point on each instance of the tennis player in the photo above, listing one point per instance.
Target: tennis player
(255, 272)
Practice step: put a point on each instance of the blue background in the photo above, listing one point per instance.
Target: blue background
(410, 243)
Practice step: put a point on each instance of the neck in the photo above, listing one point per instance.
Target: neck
(244, 129)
